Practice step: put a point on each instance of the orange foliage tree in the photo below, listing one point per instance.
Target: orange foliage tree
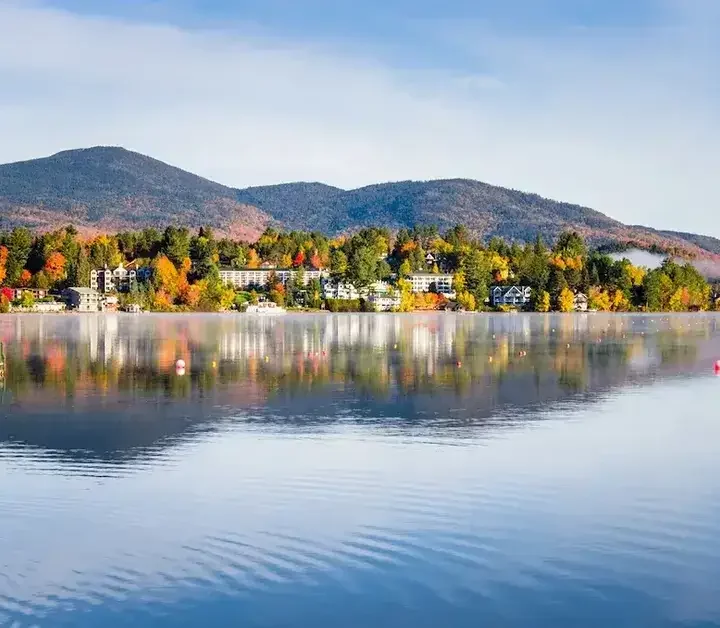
(3, 263)
(253, 259)
(316, 261)
(55, 266)
(25, 277)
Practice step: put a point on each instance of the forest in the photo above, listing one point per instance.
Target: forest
(185, 268)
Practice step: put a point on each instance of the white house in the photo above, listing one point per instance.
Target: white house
(385, 302)
(260, 277)
(83, 299)
(343, 290)
(580, 302)
(120, 279)
(432, 282)
(516, 296)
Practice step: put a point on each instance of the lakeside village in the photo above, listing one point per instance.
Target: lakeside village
(373, 270)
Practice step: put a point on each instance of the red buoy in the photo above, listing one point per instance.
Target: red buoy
(717, 367)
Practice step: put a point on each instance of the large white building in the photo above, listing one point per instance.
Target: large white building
(260, 277)
(431, 282)
(385, 302)
(121, 279)
(343, 290)
(83, 299)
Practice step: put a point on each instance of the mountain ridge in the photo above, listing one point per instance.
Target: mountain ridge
(110, 188)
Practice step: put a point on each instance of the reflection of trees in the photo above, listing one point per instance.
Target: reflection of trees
(374, 355)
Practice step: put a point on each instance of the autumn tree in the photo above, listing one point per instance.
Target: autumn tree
(316, 261)
(543, 301)
(55, 266)
(166, 277)
(299, 259)
(253, 259)
(566, 300)
(3, 263)
(25, 278)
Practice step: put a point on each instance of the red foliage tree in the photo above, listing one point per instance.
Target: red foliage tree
(299, 259)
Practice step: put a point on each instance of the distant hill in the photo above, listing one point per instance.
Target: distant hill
(110, 188)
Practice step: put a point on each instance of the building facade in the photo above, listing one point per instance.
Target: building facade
(37, 293)
(260, 277)
(514, 296)
(120, 279)
(342, 290)
(385, 302)
(432, 282)
(83, 299)
(580, 302)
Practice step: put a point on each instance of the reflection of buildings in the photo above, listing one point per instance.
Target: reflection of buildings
(536, 356)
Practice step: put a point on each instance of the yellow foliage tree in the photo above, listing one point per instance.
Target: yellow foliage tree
(637, 274)
(467, 301)
(619, 302)
(253, 259)
(599, 300)
(679, 300)
(566, 300)
(407, 301)
(166, 276)
(500, 267)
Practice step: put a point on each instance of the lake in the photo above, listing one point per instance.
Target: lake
(355, 470)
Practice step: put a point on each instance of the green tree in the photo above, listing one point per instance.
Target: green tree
(477, 270)
(362, 266)
(176, 244)
(338, 263)
(79, 270)
(19, 244)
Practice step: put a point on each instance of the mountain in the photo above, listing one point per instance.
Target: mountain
(110, 188)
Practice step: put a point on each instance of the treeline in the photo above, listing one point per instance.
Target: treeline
(185, 268)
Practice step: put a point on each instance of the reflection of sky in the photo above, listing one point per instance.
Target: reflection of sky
(625, 490)
(527, 487)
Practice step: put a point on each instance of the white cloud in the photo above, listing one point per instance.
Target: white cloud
(626, 122)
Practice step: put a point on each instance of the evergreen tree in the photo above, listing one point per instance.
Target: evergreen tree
(19, 244)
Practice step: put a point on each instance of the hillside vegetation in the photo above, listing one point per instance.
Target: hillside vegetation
(106, 189)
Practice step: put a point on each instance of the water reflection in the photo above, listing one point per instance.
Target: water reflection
(107, 386)
(356, 470)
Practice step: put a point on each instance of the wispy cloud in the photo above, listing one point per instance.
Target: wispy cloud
(625, 121)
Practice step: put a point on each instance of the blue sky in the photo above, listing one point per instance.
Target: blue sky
(608, 104)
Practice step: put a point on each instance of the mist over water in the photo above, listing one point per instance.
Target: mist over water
(640, 258)
(360, 470)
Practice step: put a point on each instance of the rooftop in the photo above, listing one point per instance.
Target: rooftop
(84, 290)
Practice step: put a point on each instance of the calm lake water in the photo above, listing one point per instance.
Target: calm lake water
(360, 470)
